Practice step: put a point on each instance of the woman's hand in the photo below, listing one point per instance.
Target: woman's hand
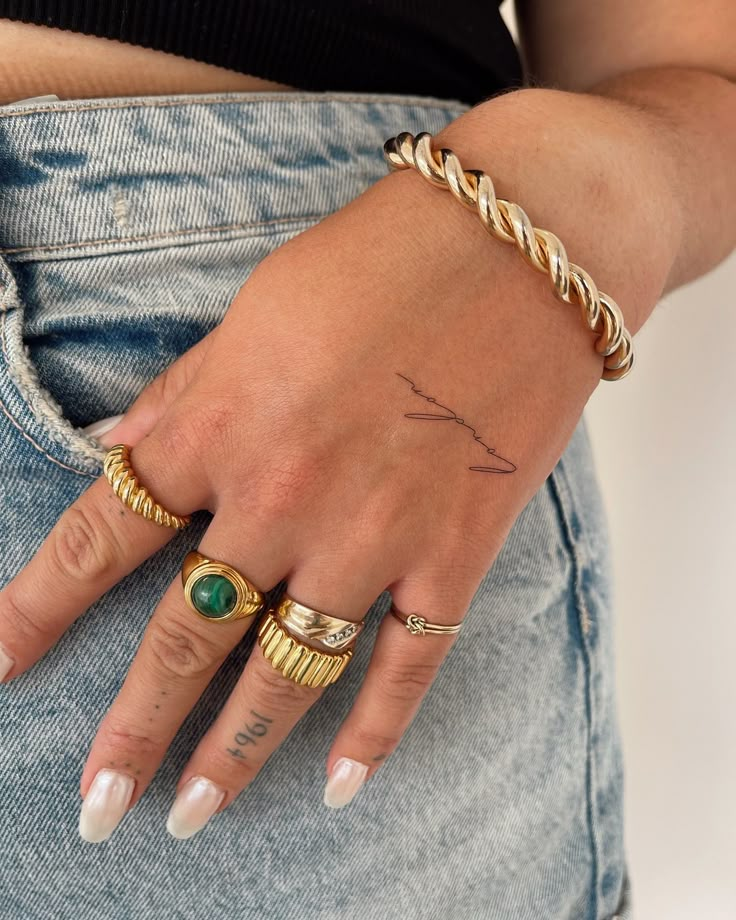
(295, 422)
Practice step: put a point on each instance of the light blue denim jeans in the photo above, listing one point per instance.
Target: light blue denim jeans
(127, 225)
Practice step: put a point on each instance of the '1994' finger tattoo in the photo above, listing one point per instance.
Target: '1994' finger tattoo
(251, 732)
(453, 417)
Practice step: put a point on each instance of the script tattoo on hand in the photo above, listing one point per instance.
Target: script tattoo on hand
(252, 731)
(452, 416)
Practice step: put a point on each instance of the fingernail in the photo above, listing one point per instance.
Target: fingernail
(96, 429)
(345, 780)
(104, 805)
(194, 805)
(6, 663)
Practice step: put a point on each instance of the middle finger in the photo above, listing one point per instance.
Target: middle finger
(265, 705)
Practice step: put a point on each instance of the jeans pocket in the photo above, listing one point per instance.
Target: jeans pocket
(82, 337)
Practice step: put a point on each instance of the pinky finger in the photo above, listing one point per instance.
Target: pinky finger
(402, 668)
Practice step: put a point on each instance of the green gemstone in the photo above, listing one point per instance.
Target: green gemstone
(214, 595)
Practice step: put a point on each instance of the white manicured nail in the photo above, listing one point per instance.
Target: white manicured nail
(102, 427)
(194, 805)
(345, 780)
(104, 805)
(6, 663)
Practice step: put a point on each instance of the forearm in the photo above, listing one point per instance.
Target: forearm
(695, 113)
(640, 169)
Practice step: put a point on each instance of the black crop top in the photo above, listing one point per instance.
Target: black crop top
(450, 50)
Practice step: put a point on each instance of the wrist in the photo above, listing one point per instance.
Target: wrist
(434, 236)
(584, 168)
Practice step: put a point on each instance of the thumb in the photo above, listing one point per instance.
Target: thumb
(151, 404)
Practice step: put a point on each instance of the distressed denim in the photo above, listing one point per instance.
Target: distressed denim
(127, 225)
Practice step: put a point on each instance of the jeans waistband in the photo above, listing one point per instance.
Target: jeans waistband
(80, 175)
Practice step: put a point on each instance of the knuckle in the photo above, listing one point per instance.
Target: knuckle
(283, 694)
(236, 768)
(217, 423)
(30, 627)
(178, 651)
(83, 545)
(459, 559)
(182, 433)
(406, 683)
(286, 482)
(369, 740)
(119, 736)
(189, 427)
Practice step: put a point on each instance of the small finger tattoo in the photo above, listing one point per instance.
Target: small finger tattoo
(252, 731)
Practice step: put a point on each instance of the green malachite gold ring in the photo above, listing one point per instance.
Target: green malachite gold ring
(216, 591)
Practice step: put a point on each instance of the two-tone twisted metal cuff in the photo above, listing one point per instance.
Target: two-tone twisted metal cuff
(298, 662)
(541, 249)
(119, 473)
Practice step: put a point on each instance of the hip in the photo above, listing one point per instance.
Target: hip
(126, 229)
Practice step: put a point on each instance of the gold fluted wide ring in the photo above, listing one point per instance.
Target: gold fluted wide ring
(311, 625)
(419, 626)
(125, 484)
(216, 591)
(297, 661)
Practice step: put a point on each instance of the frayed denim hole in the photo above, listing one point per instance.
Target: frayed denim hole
(38, 414)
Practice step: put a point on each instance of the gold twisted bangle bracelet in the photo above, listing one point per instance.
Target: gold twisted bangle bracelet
(541, 249)
(119, 473)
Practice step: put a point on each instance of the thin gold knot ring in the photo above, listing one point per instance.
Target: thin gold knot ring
(125, 484)
(419, 626)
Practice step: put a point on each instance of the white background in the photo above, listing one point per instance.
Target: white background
(665, 444)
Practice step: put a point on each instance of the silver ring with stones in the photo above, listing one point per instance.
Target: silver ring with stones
(216, 591)
(313, 626)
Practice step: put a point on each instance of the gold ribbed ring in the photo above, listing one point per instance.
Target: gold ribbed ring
(125, 484)
(298, 662)
(540, 248)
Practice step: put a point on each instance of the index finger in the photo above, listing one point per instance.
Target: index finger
(95, 543)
